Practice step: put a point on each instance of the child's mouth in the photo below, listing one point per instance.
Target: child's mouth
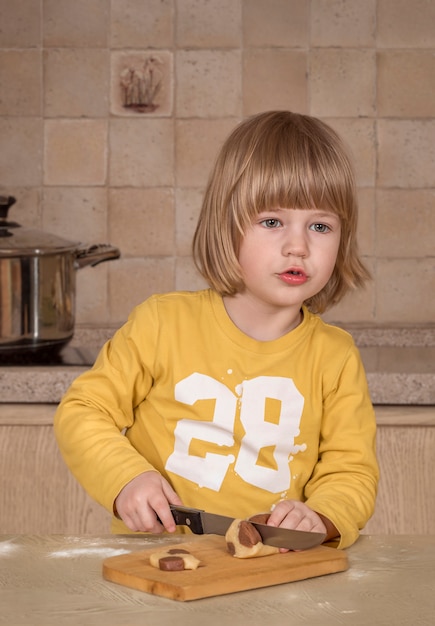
(293, 277)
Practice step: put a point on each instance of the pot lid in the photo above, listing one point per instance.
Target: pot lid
(15, 240)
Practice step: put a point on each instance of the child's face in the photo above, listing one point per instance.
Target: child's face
(288, 255)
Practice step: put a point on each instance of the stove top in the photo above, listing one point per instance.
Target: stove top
(67, 356)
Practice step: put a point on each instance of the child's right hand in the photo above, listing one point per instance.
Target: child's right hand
(145, 498)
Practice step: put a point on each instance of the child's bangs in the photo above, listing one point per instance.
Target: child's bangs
(285, 184)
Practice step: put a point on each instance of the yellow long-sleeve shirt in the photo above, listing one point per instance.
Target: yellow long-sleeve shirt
(234, 424)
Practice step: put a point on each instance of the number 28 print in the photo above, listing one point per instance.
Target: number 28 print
(258, 432)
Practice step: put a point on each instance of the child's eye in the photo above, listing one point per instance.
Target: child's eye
(271, 222)
(320, 228)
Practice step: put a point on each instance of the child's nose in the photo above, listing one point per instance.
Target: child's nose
(295, 244)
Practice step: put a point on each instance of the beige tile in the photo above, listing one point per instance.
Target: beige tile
(404, 289)
(187, 277)
(76, 82)
(92, 306)
(208, 83)
(356, 306)
(76, 213)
(20, 80)
(142, 83)
(208, 23)
(406, 153)
(21, 151)
(405, 223)
(27, 209)
(142, 221)
(20, 23)
(135, 24)
(188, 205)
(337, 23)
(366, 221)
(342, 82)
(274, 79)
(404, 24)
(280, 23)
(131, 281)
(197, 143)
(75, 152)
(359, 136)
(141, 152)
(78, 24)
(406, 83)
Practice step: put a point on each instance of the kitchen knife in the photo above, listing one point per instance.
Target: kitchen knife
(203, 523)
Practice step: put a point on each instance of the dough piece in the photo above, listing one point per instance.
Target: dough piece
(171, 563)
(244, 541)
(174, 560)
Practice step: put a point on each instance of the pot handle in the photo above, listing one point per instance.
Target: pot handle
(97, 253)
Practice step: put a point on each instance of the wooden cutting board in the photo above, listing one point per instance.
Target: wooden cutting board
(219, 572)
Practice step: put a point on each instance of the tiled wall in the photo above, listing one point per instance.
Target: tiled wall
(84, 166)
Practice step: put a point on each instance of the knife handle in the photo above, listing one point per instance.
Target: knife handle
(185, 516)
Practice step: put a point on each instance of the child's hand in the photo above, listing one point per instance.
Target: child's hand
(145, 498)
(296, 516)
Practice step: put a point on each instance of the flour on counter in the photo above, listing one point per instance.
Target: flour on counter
(73, 552)
(8, 547)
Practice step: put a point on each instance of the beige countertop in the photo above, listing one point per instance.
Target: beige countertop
(41, 414)
(56, 579)
(400, 366)
(396, 375)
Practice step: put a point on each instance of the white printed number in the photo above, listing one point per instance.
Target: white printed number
(209, 471)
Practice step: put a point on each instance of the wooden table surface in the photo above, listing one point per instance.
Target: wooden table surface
(56, 579)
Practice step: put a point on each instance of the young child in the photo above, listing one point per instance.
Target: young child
(239, 399)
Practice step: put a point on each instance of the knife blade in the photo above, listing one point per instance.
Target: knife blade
(203, 523)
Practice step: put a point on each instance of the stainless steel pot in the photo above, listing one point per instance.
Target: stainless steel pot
(38, 284)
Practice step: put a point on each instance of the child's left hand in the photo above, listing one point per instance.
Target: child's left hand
(296, 516)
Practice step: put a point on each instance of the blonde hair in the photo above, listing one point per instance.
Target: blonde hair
(277, 159)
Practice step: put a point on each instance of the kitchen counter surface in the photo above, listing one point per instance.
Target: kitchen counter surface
(400, 365)
(396, 375)
(56, 579)
(12, 414)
